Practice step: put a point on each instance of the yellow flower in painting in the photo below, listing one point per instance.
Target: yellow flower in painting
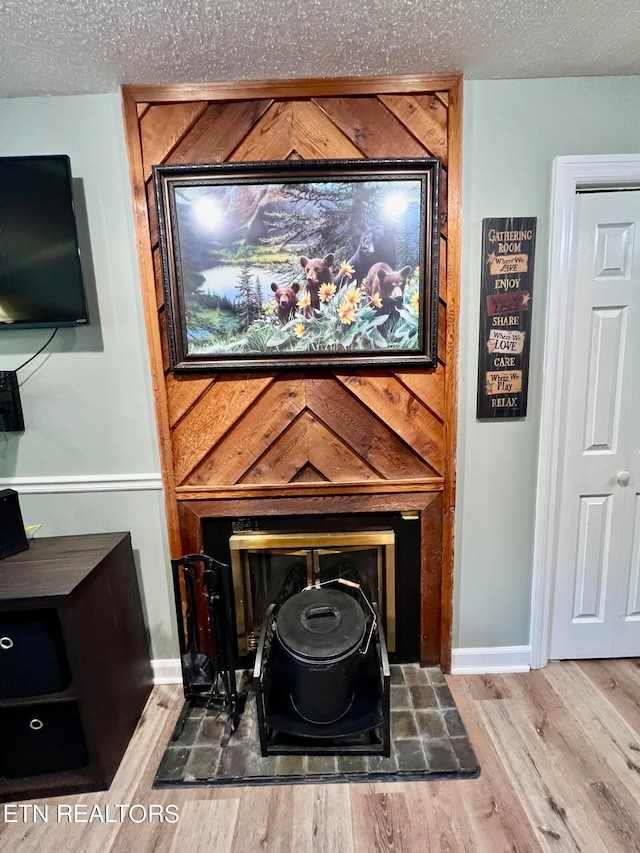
(414, 301)
(269, 308)
(298, 330)
(346, 269)
(305, 300)
(326, 292)
(346, 313)
(376, 300)
(352, 296)
(416, 272)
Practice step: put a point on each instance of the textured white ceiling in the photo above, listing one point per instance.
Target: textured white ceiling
(85, 46)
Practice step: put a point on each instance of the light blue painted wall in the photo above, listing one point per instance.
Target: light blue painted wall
(87, 399)
(88, 405)
(512, 130)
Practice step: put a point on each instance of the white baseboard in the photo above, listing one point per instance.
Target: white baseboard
(493, 659)
(166, 671)
(463, 662)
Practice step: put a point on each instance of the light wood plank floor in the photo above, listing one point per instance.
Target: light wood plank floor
(560, 755)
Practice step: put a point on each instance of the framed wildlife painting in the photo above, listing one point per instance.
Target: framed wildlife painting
(300, 264)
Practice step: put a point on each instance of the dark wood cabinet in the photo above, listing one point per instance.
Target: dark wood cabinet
(74, 664)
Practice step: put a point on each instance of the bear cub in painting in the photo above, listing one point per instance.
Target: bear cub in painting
(377, 244)
(388, 283)
(286, 299)
(318, 271)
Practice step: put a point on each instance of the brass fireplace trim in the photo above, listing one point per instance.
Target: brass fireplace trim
(241, 544)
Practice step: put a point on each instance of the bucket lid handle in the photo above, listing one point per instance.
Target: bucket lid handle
(354, 585)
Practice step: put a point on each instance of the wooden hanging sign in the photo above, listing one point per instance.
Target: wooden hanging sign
(508, 248)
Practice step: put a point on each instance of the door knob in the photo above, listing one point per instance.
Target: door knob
(623, 478)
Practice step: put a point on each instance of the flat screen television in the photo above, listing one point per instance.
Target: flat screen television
(40, 273)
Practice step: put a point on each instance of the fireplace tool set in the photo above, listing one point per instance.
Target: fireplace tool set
(207, 655)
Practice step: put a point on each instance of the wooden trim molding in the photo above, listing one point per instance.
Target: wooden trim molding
(386, 487)
(286, 89)
(454, 247)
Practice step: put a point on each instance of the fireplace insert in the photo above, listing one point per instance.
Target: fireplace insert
(274, 557)
(270, 567)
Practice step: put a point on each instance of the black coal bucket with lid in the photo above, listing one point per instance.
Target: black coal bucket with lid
(323, 633)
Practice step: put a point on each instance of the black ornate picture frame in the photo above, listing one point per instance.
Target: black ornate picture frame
(300, 264)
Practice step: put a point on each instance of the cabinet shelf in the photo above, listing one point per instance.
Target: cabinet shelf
(67, 695)
(84, 590)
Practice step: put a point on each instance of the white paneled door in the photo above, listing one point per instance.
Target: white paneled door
(596, 594)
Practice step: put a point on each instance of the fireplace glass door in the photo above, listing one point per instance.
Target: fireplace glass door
(269, 567)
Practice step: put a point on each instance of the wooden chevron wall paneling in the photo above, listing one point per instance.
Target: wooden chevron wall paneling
(370, 433)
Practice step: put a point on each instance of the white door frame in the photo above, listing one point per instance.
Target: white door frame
(569, 175)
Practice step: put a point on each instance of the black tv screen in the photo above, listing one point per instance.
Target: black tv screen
(40, 273)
